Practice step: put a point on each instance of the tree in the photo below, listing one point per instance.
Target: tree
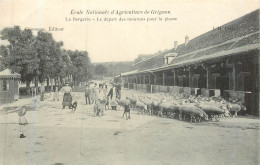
(100, 70)
(81, 68)
(40, 57)
(49, 53)
(20, 55)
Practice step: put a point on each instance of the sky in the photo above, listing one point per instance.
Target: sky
(122, 41)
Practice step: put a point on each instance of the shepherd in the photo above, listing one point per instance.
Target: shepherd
(111, 96)
(67, 97)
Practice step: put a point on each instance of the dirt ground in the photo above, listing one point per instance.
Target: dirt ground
(55, 136)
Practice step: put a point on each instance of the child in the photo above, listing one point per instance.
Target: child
(22, 121)
(127, 111)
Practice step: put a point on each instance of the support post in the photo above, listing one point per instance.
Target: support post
(163, 78)
(174, 78)
(149, 78)
(234, 77)
(208, 74)
(190, 77)
(155, 79)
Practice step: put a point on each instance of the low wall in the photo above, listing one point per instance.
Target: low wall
(187, 90)
(240, 95)
(227, 94)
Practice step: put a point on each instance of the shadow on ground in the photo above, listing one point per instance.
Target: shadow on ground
(15, 109)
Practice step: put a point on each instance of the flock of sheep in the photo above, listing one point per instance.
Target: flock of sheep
(191, 108)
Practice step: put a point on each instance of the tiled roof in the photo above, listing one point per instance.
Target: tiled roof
(8, 74)
(236, 36)
(241, 32)
(142, 57)
(152, 62)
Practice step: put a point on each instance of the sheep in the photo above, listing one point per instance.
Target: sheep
(141, 107)
(148, 103)
(205, 115)
(168, 107)
(133, 100)
(155, 105)
(123, 102)
(193, 111)
(236, 108)
(211, 110)
(226, 111)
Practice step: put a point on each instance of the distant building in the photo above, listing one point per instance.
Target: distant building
(142, 57)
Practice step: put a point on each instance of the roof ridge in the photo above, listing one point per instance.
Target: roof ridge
(152, 56)
(226, 42)
(235, 50)
(228, 23)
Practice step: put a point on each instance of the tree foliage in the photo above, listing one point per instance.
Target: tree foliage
(40, 57)
(20, 55)
(100, 70)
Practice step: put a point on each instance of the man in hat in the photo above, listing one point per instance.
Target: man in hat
(87, 94)
(94, 93)
(67, 98)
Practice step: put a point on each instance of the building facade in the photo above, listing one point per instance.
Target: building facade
(222, 62)
(9, 89)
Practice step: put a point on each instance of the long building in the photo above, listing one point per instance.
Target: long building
(222, 62)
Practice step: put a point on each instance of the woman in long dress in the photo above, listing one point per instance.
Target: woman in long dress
(67, 98)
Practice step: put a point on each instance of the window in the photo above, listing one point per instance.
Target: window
(5, 85)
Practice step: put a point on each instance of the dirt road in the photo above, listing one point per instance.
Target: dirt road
(56, 136)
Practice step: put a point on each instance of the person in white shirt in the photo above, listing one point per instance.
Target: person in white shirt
(100, 104)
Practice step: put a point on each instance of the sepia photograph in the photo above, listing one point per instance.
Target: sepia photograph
(129, 82)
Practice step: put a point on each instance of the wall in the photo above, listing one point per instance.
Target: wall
(12, 94)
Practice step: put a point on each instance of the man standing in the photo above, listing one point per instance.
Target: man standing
(94, 93)
(87, 94)
(111, 96)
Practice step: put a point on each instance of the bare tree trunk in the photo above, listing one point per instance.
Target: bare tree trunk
(28, 90)
(60, 81)
(48, 84)
(36, 84)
